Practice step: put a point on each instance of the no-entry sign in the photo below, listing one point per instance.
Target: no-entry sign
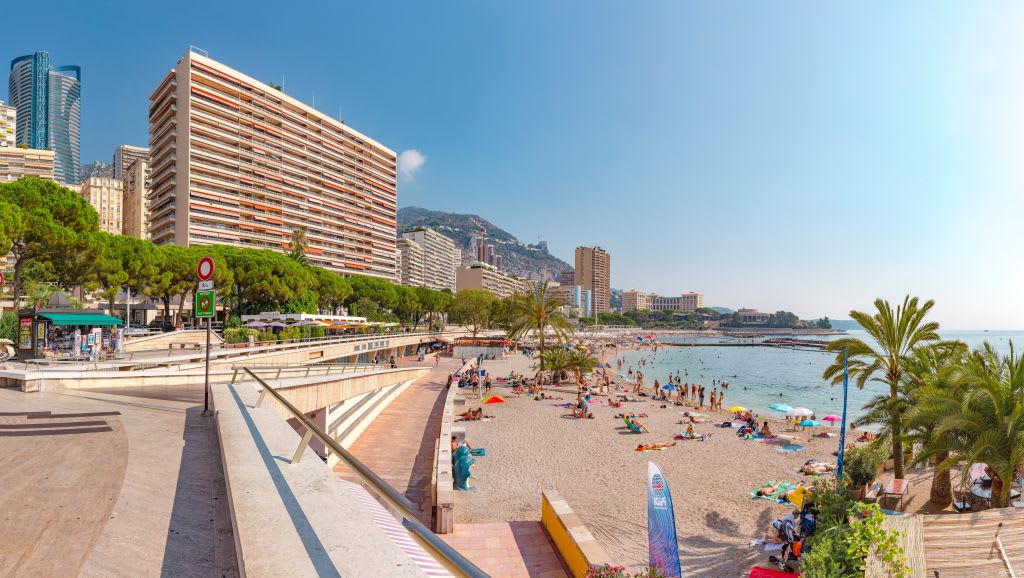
(205, 268)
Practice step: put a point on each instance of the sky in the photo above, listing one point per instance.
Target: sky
(806, 156)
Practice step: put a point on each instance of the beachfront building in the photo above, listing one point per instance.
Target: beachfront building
(136, 200)
(236, 161)
(106, 195)
(484, 276)
(439, 257)
(48, 103)
(125, 156)
(410, 263)
(593, 272)
(637, 301)
(8, 125)
(577, 300)
(18, 162)
(752, 317)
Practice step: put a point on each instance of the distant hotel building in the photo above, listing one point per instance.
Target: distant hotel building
(593, 272)
(48, 100)
(106, 196)
(576, 298)
(752, 317)
(136, 200)
(18, 162)
(238, 162)
(125, 156)
(8, 125)
(438, 255)
(484, 276)
(637, 301)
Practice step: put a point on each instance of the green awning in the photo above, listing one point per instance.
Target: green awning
(93, 319)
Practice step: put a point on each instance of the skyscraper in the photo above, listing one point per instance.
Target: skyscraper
(48, 101)
(125, 156)
(593, 273)
(236, 161)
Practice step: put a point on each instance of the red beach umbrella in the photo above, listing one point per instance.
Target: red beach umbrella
(494, 399)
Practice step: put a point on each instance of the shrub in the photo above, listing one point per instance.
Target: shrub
(237, 335)
(860, 465)
(233, 322)
(9, 326)
(313, 331)
(266, 336)
(609, 571)
(289, 333)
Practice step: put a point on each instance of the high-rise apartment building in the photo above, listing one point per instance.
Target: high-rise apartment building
(593, 272)
(8, 125)
(106, 195)
(236, 161)
(411, 263)
(48, 101)
(439, 257)
(18, 162)
(136, 200)
(483, 276)
(125, 156)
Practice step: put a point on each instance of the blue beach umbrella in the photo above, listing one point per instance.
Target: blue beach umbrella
(780, 407)
(668, 386)
(808, 423)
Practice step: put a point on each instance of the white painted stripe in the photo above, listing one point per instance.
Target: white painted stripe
(397, 532)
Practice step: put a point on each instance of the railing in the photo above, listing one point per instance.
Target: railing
(443, 552)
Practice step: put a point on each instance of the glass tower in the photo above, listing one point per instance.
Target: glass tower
(48, 100)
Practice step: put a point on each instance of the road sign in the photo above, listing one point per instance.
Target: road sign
(205, 301)
(205, 268)
(206, 285)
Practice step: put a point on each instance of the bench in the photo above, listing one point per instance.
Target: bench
(184, 345)
(871, 496)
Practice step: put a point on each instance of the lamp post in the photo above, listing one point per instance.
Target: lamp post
(842, 429)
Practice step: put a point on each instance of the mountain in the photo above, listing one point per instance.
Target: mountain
(722, 310)
(96, 169)
(518, 258)
(846, 324)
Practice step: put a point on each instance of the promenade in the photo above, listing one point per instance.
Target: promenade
(123, 482)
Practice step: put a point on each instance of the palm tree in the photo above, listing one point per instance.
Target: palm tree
(557, 361)
(581, 362)
(39, 294)
(930, 369)
(297, 247)
(895, 337)
(537, 312)
(981, 420)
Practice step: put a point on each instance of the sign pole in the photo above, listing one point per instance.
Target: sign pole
(842, 429)
(206, 385)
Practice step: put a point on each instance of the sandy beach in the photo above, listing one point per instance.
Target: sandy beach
(534, 445)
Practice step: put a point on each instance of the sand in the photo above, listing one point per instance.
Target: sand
(533, 445)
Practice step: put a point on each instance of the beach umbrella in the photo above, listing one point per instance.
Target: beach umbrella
(307, 323)
(494, 399)
(255, 324)
(808, 423)
(799, 412)
(669, 386)
(737, 408)
(780, 407)
(832, 418)
(276, 324)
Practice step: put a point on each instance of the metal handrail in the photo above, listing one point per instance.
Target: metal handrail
(442, 551)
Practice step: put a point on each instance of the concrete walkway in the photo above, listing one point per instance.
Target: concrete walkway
(111, 484)
(508, 549)
(399, 445)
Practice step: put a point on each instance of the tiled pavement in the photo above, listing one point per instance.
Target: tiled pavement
(399, 447)
(508, 549)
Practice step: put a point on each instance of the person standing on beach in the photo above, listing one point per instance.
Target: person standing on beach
(714, 399)
(721, 398)
(700, 394)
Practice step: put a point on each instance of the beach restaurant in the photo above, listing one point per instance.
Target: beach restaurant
(67, 334)
(489, 348)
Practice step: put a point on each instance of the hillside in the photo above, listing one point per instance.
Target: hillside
(520, 259)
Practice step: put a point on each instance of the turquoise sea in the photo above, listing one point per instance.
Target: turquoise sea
(761, 376)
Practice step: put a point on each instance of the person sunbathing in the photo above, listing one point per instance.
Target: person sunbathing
(815, 468)
(768, 490)
(637, 425)
(654, 446)
(475, 414)
(622, 415)
(766, 431)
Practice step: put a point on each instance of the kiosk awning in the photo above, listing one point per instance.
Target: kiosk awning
(93, 319)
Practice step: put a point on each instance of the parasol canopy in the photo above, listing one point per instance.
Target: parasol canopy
(737, 408)
(799, 412)
(255, 324)
(808, 423)
(668, 386)
(494, 399)
(780, 407)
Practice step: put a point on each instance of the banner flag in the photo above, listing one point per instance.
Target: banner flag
(663, 548)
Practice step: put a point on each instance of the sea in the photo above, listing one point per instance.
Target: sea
(761, 376)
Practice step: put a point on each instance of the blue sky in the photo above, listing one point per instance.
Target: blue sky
(806, 156)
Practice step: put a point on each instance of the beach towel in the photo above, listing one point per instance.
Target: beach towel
(650, 449)
(478, 452)
(790, 449)
(753, 494)
(782, 488)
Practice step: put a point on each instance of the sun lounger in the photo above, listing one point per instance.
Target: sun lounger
(871, 496)
(896, 489)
